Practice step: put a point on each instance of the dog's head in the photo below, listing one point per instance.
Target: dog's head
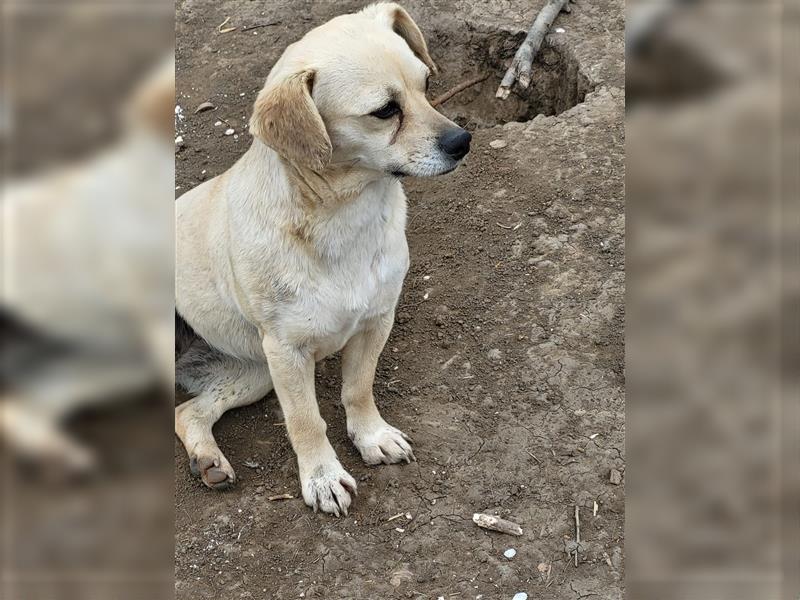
(352, 92)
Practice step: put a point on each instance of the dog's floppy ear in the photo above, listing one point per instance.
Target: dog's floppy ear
(286, 119)
(403, 25)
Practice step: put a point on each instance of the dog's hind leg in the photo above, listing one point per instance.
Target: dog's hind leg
(226, 383)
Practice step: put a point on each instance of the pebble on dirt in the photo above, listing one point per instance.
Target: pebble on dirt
(615, 477)
(203, 107)
(520, 596)
(510, 553)
(229, 131)
(497, 144)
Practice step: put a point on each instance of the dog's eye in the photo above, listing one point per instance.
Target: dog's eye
(388, 111)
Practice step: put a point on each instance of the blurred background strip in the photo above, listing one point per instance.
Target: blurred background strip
(86, 303)
(712, 300)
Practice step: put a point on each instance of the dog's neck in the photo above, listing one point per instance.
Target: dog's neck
(334, 212)
(332, 188)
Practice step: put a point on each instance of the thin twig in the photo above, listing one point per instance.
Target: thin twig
(520, 69)
(259, 25)
(397, 516)
(511, 227)
(577, 533)
(458, 89)
(227, 29)
(280, 497)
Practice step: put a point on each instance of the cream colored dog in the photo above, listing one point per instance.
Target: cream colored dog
(299, 250)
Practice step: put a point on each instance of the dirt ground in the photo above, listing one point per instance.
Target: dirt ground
(505, 365)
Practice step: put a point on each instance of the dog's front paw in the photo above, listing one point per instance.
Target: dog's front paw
(328, 487)
(382, 443)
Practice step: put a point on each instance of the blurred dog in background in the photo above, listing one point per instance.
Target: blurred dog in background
(86, 300)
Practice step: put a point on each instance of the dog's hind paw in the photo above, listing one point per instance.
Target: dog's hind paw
(383, 445)
(214, 469)
(329, 488)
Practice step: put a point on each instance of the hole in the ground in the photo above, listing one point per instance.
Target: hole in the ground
(557, 83)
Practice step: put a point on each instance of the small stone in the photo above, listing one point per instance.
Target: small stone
(179, 141)
(229, 131)
(497, 144)
(510, 553)
(520, 596)
(560, 30)
(494, 354)
(204, 107)
(615, 477)
(400, 576)
(218, 123)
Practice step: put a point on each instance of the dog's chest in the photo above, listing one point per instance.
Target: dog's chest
(359, 279)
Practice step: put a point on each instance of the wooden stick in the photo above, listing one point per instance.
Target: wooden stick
(520, 69)
(458, 89)
(496, 524)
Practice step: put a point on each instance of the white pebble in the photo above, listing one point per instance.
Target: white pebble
(218, 123)
(510, 553)
(179, 140)
(520, 596)
(497, 144)
(560, 30)
(229, 131)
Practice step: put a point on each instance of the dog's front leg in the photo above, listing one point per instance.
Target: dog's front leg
(377, 441)
(326, 485)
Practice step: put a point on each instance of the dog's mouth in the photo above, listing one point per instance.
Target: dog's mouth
(426, 170)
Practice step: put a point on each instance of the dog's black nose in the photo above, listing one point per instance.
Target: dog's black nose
(455, 142)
